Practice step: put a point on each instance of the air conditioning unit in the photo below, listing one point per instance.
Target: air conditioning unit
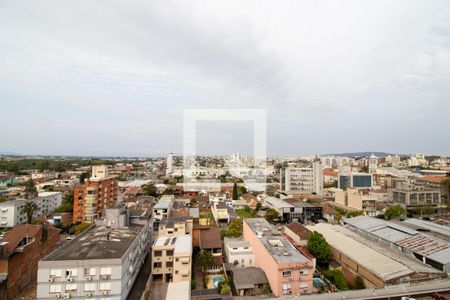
(105, 293)
(89, 294)
(67, 296)
(89, 278)
(51, 279)
(291, 278)
(58, 295)
(70, 279)
(105, 277)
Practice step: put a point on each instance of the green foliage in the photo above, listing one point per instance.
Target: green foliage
(394, 212)
(245, 212)
(258, 206)
(234, 229)
(193, 284)
(150, 190)
(66, 205)
(355, 213)
(319, 247)
(30, 189)
(204, 259)
(266, 290)
(235, 192)
(243, 190)
(225, 289)
(57, 164)
(338, 217)
(3, 199)
(358, 282)
(81, 227)
(84, 176)
(271, 215)
(337, 278)
(29, 208)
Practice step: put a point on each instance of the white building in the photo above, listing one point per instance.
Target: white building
(162, 209)
(373, 163)
(239, 252)
(303, 180)
(101, 263)
(11, 211)
(169, 168)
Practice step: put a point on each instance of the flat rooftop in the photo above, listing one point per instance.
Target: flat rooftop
(278, 246)
(275, 202)
(98, 242)
(379, 264)
(45, 194)
(162, 205)
(181, 244)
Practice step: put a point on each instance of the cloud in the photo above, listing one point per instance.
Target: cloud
(333, 75)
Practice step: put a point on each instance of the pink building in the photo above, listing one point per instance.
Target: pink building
(288, 271)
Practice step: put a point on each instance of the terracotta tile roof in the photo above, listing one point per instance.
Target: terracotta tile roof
(329, 172)
(210, 239)
(434, 178)
(299, 230)
(17, 234)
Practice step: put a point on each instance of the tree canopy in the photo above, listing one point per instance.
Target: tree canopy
(319, 247)
(235, 192)
(394, 212)
(272, 214)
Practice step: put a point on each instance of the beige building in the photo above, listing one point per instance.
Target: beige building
(359, 199)
(172, 258)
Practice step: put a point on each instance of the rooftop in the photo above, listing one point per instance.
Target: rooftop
(279, 247)
(98, 242)
(181, 243)
(45, 194)
(415, 241)
(277, 203)
(381, 265)
(247, 278)
(162, 205)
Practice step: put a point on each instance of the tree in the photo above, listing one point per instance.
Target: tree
(84, 175)
(258, 206)
(30, 189)
(393, 212)
(81, 227)
(66, 205)
(150, 190)
(235, 192)
(271, 215)
(205, 259)
(2, 199)
(29, 208)
(234, 228)
(337, 278)
(319, 247)
(358, 282)
(243, 190)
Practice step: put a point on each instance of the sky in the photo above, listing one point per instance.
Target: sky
(114, 77)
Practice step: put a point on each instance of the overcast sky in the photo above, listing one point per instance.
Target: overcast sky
(113, 77)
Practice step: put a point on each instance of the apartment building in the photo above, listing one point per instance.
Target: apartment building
(101, 263)
(239, 252)
(287, 270)
(20, 251)
(94, 196)
(172, 258)
(11, 211)
(303, 180)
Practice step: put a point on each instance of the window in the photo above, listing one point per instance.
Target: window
(169, 252)
(286, 273)
(158, 253)
(177, 259)
(176, 272)
(169, 264)
(157, 265)
(287, 289)
(105, 271)
(89, 287)
(71, 286)
(105, 286)
(89, 271)
(55, 288)
(304, 271)
(71, 272)
(55, 273)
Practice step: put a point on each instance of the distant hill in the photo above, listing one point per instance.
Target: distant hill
(360, 154)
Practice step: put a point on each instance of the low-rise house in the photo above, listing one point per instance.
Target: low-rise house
(20, 251)
(220, 213)
(239, 252)
(6, 180)
(210, 241)
(248, 281)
